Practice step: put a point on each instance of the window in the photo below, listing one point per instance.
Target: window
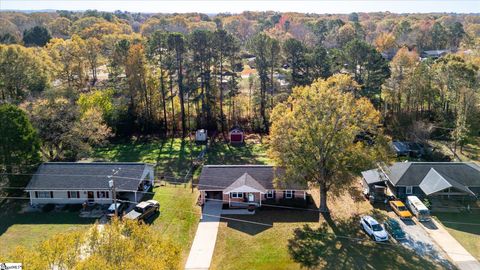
(102, 194)
(44, 194)
(74, 194)
(270, 194)
(409, 190)
(288, 194)
(236, 195)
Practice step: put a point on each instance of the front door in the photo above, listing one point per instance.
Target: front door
(251, 197)
(90, 196)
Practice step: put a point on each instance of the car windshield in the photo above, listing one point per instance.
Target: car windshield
(138, 209)
(402, 208)
(376, 227)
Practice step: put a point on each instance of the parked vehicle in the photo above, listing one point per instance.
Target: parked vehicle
(373, 229)
(121, 207)
(143, 210)
(400, 209)
(418, 208)
(393, 228)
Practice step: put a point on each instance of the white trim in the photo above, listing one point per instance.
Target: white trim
(245, 189)
(236, 195)
(407, 188)
(288, 194)
(270, 194)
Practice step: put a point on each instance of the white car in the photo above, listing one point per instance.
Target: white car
(373, 229)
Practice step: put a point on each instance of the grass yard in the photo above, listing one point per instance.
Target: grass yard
(179, 215)
(467, 235)
(295, 239)
(172, 156)
(249, 153)
(28, 229)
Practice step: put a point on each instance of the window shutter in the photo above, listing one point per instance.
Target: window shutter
(106, 193)
(51, 194)
(68, 194)
(36, 194)
(78, 194)
(284, 194)
(98, 194)
(293, 194)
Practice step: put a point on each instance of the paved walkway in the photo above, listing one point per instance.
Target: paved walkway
(203, 245)
(460, 257)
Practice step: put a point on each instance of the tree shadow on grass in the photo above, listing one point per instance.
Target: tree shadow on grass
(342, 245)
(266, 217)
(10, 215)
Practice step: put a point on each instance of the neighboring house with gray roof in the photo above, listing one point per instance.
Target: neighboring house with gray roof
(76, 183)
(244, 185)
(426, 179)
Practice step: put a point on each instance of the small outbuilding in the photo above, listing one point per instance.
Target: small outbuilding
(236, 135)
(201, 136)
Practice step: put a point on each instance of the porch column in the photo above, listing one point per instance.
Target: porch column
(228, 199)
(260, 198)
(136, 196)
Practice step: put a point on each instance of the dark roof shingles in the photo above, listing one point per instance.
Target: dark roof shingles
(82, 176)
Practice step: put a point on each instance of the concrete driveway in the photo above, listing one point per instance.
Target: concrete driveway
(203, 245)
(457, 253)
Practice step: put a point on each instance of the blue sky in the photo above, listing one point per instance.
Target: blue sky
(234, 6)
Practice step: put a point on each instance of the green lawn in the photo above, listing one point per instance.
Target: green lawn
(179, 215)
(172, 156)
(467, 235)
(28, 229)
(249, 153)
(296, 239)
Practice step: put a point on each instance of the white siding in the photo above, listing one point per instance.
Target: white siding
(61, 197)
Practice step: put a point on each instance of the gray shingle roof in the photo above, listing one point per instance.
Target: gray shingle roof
(86, 176)
(435, 182)
(413, 173)
(372, 176)
(219, 177)
(245, 180)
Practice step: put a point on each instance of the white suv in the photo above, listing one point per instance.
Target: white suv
(373, 229)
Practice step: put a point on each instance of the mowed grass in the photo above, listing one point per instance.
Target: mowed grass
(29, 229)
(467, 234)
(226, 154)
(172, 156)
(179, 215)
(299, 239)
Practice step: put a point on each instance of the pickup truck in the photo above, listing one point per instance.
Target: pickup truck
(143, 210)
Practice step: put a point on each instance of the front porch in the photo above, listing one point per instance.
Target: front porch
(240, 199)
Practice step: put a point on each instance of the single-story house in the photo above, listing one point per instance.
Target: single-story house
(236, 135)
(243, 185)
(434, 53)
(76, 183)
(452, 180)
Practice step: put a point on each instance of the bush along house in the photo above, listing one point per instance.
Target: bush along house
(444, 180)
(241, 186)
(76, 183)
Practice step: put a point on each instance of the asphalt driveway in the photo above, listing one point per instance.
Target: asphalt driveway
(419, 241)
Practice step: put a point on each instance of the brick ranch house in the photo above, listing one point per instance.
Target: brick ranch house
(239, 186)
(76, 183)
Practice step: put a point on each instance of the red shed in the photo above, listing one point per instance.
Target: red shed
(236, 135)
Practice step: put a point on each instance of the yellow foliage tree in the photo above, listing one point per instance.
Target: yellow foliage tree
(315, 136)
(119, 245)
